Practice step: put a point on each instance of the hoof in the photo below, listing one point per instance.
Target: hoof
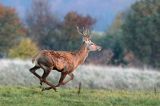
(43, 89)
(55, 90)
(48, 88)
(40, 86)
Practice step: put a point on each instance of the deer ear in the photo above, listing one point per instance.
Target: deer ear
(89, 37)
(83, 39)
(86, 40)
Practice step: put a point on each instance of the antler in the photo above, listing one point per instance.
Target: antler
(79, 31)
(85, 32)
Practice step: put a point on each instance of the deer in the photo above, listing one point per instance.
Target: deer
(64, 62)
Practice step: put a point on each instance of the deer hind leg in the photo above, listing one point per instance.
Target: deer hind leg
(33, 70)
(47, 70)
(63, 75)
(44, 76)
(62, 79)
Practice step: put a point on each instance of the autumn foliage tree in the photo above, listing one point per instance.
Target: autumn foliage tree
(71, 20)
(11, 29)
(51, 33)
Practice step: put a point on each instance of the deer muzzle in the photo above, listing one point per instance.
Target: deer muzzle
(99, 48)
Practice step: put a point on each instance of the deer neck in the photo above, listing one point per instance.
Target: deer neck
(82, 54)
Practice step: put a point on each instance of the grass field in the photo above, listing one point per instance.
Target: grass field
(32, 96)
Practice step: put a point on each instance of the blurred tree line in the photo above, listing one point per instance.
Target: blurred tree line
(141, 31)
(11, 29)
(52, 33)
(134, 34)
(44, 29)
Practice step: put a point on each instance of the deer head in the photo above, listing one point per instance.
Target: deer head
(87, 40)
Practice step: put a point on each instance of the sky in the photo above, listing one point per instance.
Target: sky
(104, 11)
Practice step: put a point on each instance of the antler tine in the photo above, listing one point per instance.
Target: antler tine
(84, 32)
(83, 28)
(88, 31)
(79, 31)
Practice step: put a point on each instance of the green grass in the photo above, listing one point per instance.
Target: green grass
(32, 96)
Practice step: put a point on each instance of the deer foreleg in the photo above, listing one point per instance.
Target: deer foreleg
(71, 78)
(61, 79)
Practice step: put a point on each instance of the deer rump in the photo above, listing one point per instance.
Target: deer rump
(54, 60)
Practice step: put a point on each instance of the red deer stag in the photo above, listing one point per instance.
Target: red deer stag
(63, 61)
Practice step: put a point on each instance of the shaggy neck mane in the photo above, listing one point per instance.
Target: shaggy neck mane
(82, 53)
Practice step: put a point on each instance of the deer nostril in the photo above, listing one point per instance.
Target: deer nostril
(99, 48)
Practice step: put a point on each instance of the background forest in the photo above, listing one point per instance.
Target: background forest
(131, 40)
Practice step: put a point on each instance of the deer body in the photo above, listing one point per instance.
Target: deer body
(63, 61)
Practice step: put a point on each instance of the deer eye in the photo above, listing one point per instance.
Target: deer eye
(91, 43)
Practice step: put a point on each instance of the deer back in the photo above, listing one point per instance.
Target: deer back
(59, 60)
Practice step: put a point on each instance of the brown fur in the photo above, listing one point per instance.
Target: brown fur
(61, 60)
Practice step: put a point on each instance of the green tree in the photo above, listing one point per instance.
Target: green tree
(44, 26)
(141, 31)
(25, 49)
(11, 29)
(113, 40)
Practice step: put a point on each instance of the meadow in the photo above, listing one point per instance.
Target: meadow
(31, 96)
(101, 86)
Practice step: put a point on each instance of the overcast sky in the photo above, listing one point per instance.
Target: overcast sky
(104, 11)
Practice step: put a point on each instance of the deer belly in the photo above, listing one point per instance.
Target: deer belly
(59, 64)
(64, 66)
